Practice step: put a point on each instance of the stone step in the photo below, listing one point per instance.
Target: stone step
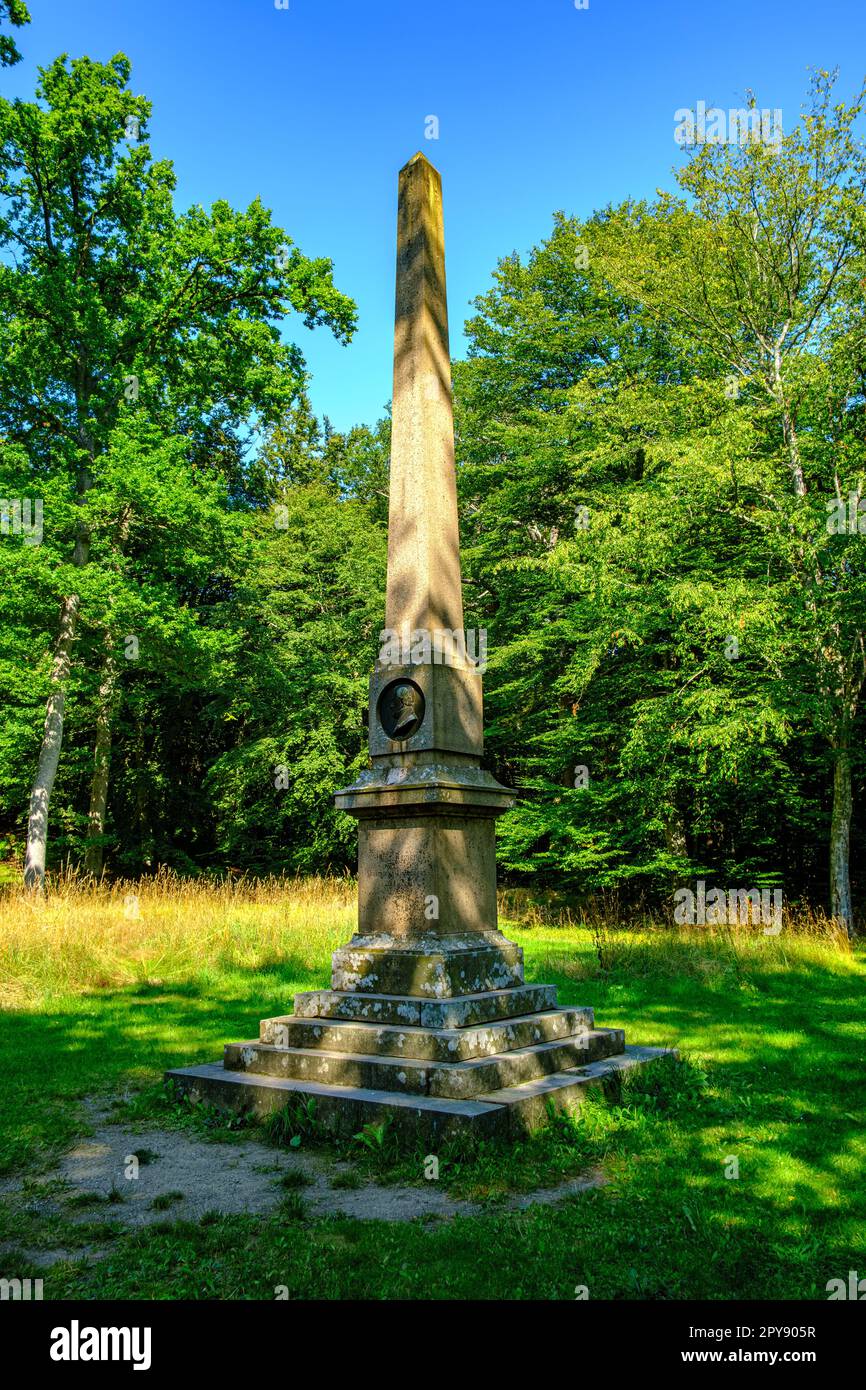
(468, 1079)
(462, 1011)
(340, 1110)
(528, 1104)
(409, 1076)
(344, 1110)
(425, 1044)
(439, 968)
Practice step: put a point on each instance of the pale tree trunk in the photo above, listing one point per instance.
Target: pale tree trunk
(49, 755)
(145, 820)
(675, 833)
(52, 740)
(789, 424)
(94, 849)
(676, 841)
(841, 909)
(849, 689)
(843, 792)
(792, 444)
(840, 831)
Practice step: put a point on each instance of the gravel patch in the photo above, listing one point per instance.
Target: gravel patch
(178, 1175)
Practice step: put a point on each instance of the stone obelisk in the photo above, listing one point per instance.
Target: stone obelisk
(428, 1022)
(426, 809)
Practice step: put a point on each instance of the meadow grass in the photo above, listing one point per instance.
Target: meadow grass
(103, 988)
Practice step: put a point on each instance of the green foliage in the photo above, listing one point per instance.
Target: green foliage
(140, 360)
(294, 1122)
(164, 1200)
(293, 1207)
(658, 410)
(16, 12)
(376, 1137)
(660, 407)
(309, 601)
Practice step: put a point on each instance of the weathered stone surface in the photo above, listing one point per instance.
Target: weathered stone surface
(339, 1110)
(425, 1044)
(408, 1077)
(360, 1008)
(439, 787)
(426, 808)
(424, 587)
(462, 1011)
(468, 1010)
(396, 787)
(452, 722)
(411, 1076)
(431, 859)
(528, 1103)
(469, 1079)
(343, 1110)
(427, 967)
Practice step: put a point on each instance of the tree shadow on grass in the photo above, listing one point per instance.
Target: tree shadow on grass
(783, 1045)
(103, 1040)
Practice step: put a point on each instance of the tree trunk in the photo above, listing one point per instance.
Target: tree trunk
(843, 793)
(52, 740)
(49, 755)
(792, 444)
(147, 845)
(840, 833)
(676, 840)
(94, 849)
(789, 426)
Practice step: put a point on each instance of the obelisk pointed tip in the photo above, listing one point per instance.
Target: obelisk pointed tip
(419, 158)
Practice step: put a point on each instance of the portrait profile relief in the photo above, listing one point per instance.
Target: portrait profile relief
(401, 709)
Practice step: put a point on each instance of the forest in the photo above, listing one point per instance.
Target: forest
(661, 468)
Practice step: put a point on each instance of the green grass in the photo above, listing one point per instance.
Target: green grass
(346, 1180)
(772, 1033)
(294, 1179)
(166, 1200)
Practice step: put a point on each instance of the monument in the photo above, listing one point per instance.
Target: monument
(428, 1019)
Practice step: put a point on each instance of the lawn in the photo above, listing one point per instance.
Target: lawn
(101, 991)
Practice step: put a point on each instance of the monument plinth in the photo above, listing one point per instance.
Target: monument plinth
(428, 1019)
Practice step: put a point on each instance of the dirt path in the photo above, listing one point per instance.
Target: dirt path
(157, 1174)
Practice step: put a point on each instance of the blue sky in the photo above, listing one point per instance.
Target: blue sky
(541, 106)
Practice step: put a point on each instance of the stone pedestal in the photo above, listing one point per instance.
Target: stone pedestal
(433, 1062)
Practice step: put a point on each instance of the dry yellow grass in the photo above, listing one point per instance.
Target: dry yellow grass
(603, 935)
(80, 936)
(604, 912)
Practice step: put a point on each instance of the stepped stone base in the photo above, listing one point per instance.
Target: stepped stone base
(462, 1012)
(434, 968)
(440, 1036)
